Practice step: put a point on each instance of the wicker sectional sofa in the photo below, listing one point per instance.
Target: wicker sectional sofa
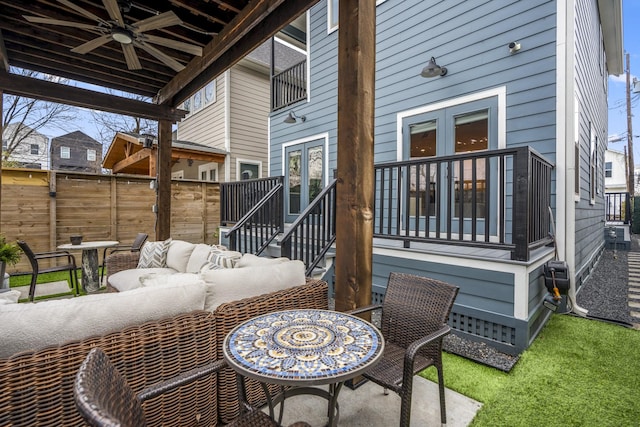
(37, 386)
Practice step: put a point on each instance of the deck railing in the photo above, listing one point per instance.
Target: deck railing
(495, 199)
(289, 86)
(618, 207)
(314, 231)
(237, 198)
(260, 225)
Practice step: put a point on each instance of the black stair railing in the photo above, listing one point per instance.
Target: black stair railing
(260, 225)
(237, 198)
(314, 231)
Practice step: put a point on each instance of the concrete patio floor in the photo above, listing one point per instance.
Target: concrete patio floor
(367, 406)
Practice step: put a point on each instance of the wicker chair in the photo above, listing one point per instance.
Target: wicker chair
(35, 258)
(414, 319)
(136, 246)
(104, 399)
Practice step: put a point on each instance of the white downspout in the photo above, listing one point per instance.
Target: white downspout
(227, 125)
(566, 108)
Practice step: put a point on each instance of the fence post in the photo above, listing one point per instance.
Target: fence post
(521, 193)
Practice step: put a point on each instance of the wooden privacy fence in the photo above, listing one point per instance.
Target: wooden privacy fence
(45, 208)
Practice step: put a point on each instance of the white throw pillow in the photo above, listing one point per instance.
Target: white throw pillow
(231, 284)
(154, 254)
(129, 279)
(178, 255)
(9, 297)
(198, 258)
(33, 326)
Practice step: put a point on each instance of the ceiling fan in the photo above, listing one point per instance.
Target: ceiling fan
(129, 36)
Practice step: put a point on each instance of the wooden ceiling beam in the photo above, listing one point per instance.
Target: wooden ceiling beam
(238, 38)
(4, 59)
(78, 97)
(131, 160)
(195, 7)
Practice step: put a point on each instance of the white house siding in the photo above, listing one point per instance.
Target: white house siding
(207, 125)
(617, 183)
(249, 108)
(22, 153)
(591, 86)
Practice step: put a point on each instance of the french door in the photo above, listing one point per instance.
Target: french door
(304, 176)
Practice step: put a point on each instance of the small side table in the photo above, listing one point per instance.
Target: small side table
(90, 274)
(302, 349)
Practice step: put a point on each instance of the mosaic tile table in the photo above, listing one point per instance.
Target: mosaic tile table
(302, 349)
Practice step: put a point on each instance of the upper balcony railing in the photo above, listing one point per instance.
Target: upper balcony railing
(495, 199)
(289, 86)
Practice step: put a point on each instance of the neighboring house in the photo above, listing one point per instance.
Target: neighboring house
(31, 152)
(231, 113)
(469, 164)
(76, 152)
(134, 154)
(615, 171)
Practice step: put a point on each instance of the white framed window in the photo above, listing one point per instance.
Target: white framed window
(35, 149)
(248, 169)
(204, 96)
(576, 149)
(333, 14)
(65, 152)
(177, 174)
(593, 161)
(208, 172)
(608, 169)
(91, 155)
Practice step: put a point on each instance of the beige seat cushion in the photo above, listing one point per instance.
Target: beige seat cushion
(127, 280)
(250, 260)
(178, 255)
(33, 326)
(230, 284)
(198, 258)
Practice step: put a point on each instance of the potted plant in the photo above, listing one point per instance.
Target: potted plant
(9, 254)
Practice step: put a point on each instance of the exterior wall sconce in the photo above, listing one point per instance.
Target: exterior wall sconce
(291, 118)
(433, 70)
(148, 141)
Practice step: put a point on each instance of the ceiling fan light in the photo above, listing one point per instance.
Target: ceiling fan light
(122, 36)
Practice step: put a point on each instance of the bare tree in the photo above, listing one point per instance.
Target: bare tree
(27, 116)
(108, 124)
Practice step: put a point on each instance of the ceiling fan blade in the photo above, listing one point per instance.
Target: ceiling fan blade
(173, 44)
(165, 19)
(39, 20)
(166, 59)
(92, 44)
(83, 11)
(130, 55)
(114, 11)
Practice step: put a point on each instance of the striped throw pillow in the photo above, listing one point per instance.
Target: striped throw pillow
(154, 254)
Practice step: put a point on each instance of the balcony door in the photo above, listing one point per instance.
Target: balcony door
(304, 175)
(456, 189)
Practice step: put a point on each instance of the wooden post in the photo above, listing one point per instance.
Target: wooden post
(355, 175)
(163, 200)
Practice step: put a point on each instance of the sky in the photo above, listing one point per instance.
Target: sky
(617, 84)
(617, 87)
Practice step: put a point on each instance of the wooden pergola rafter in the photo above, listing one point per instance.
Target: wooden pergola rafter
(226, 30)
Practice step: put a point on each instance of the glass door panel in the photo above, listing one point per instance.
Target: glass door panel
(304, 177)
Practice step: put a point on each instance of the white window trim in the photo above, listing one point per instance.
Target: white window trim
(331, 29)
(64, 149)
(499, 92)
(249, 162)
(203, 103)
(593, 162)
(95, 155)
(206, 168)
(324, 136)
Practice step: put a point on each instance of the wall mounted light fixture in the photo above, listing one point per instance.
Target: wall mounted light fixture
(433, 70)
(514, 47)
(292, 118)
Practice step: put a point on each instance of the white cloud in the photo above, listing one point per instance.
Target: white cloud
(622, 78)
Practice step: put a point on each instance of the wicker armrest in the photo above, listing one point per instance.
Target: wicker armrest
(120, 261)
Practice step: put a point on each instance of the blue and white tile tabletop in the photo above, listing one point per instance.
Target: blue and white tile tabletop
(303, 347)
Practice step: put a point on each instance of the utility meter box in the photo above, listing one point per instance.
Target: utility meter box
(560, 270)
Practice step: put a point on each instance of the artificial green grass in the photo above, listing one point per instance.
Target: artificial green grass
(578, 372)
(25, 280)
